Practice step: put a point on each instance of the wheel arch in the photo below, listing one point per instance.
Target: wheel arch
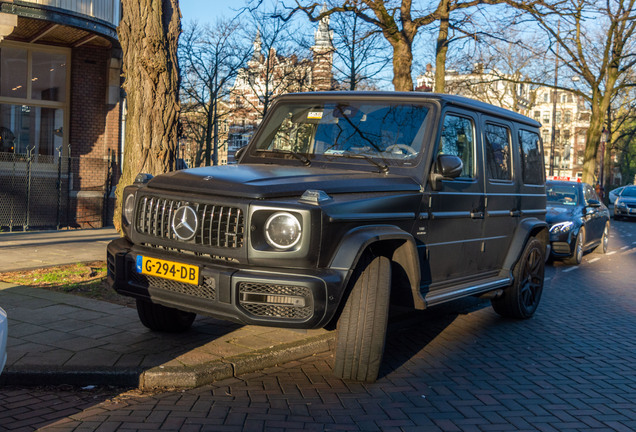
(385, 240)
(530, 227)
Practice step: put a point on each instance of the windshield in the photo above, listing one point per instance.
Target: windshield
(562, 194)
(629, 191)
(391, 132)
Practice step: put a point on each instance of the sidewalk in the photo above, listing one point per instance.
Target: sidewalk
(57, 338)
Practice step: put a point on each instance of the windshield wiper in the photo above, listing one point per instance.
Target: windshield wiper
(297, 155)
(384, 168)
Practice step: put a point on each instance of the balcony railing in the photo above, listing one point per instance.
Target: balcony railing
(106, 10)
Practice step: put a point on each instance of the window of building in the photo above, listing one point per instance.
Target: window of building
(546, 117)
(33, 99)
(537, 115)
(498, 156)
(568, 116)
(546, 97)
(558, 117)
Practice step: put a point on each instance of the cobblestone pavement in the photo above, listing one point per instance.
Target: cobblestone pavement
(458, 367)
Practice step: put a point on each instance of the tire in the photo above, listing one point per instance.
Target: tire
(521, 299)
(579, 249)
(602, 248)
(161, 318)
(361, 330)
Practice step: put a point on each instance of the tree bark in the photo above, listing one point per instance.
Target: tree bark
(149, 33)
(442, 46)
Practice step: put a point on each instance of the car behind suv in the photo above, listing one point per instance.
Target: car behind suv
(341, 204)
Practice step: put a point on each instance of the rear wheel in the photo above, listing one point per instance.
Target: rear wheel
(521, 299)
(162, 318)
(362, 324)
(577, 254)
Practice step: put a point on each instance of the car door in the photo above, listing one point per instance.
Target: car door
(593, 216)
(453, 226)
(502, 211)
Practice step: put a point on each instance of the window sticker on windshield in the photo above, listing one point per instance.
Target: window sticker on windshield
(314, 115)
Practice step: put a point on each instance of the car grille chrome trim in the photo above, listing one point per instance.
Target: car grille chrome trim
(220, 226)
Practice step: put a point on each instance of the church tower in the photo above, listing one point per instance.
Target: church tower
(323, 55)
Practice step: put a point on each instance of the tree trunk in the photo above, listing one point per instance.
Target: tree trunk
(149, 33)
(402, 65)
(442, 47)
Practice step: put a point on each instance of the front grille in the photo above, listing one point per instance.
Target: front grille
(274, 310)
(206, 290)
(218, 226)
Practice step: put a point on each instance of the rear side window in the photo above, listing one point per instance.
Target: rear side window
(498, 156)
(458, 139)
(531, 160)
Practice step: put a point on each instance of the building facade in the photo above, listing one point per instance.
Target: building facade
(268, 75)
(60, 116)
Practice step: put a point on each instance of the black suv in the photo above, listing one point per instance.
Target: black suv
(341, 204)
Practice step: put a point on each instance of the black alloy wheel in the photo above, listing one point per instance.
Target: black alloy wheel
(521, 299)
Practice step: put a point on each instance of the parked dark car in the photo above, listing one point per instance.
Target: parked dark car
(341, 203)
(614, 193)
(625, 204)
(578, 220)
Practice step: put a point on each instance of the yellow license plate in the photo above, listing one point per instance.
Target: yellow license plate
(168, 269)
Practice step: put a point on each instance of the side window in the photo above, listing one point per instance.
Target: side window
(458, 139)
(498, 157)
(531, 161)
(589, 194)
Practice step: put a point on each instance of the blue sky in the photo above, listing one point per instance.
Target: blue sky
(207, 11)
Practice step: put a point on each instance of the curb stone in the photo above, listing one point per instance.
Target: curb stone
(195, 376)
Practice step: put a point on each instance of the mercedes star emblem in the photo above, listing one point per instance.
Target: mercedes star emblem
(184, 223)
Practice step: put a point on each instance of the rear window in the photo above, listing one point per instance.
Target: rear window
(531, 160)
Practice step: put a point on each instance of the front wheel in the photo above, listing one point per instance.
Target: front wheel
(579, 248)
(362, 325)
(521, 299)
(162, 318)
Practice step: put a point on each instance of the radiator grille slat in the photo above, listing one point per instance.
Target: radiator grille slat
(220, 226)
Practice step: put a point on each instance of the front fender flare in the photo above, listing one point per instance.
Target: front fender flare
(387, 240)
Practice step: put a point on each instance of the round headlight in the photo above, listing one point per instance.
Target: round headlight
(129, 208)
(282, 230)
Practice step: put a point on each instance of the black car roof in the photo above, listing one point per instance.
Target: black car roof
(443, 99)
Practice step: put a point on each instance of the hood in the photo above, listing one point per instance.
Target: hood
(270, 181)
(627, 200)
(560, 213)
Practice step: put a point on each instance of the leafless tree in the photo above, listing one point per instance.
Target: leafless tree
(399, 21)
(359, 54)
(597, 45)
(211, 57)
(278, 64)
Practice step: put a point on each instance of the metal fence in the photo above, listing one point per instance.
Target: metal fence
(36, 191)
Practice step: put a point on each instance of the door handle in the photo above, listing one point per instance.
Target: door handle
(476, 215)
(515, 213)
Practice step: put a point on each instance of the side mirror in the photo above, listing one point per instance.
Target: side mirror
(447, 167)
(593, 203)
(239, 153)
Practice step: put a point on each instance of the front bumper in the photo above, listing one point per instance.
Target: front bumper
(562, 244)
(275, 297)
(624, 212)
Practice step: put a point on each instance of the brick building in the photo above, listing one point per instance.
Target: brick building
(268, 75)
(60, 114)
